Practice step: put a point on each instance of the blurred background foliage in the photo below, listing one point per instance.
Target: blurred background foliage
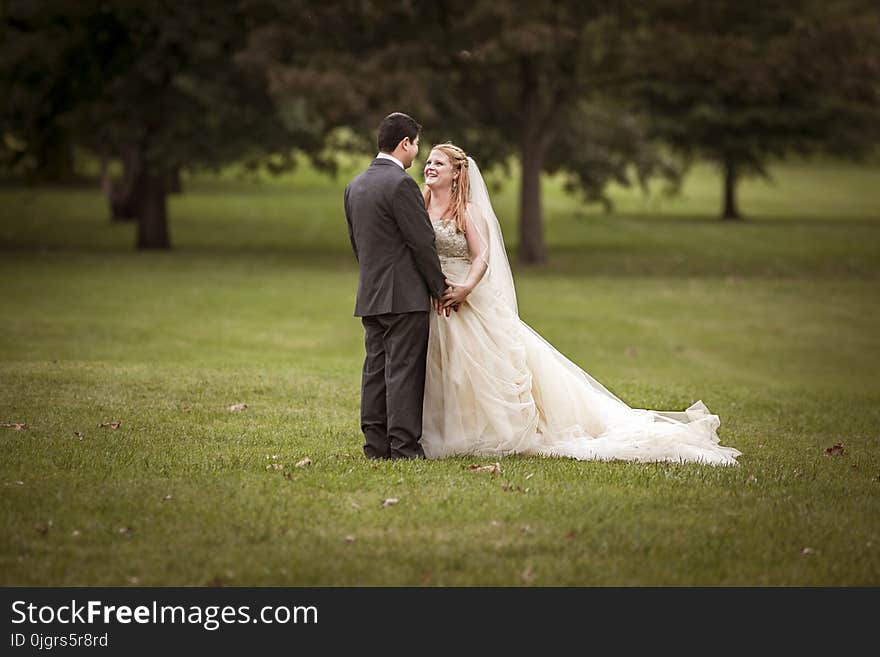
(600, 93)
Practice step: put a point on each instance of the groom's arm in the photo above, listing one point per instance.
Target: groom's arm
(348, 221)
(415, 226)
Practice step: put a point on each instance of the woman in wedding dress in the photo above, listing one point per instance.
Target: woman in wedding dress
(493, 385)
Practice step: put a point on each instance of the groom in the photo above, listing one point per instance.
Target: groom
(393, 241)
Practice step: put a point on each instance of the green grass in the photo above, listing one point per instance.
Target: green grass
(773, 323)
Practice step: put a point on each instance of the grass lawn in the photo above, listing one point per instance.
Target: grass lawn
(773, 323)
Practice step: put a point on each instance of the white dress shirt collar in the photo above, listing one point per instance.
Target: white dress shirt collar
(386, 156)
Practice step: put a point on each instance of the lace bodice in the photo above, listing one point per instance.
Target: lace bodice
(450, 243)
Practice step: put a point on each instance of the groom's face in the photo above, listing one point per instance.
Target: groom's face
(411, 151)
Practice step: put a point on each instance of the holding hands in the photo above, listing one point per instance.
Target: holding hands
(452, 298)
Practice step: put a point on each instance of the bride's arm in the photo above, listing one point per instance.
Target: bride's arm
(478, 245)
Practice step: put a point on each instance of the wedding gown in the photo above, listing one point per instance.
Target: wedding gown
(495, 387)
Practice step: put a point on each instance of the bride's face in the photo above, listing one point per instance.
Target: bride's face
(439, 172)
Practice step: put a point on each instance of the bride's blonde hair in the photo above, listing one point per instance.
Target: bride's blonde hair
(458, 199)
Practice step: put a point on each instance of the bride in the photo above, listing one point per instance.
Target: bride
(493, 385)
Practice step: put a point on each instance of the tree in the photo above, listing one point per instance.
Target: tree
(34, 144)
(741, 83)
(502, 78)
(344, 65)
(539, 80)
(156, 84)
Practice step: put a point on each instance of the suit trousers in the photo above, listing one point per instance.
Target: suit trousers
(393, 384)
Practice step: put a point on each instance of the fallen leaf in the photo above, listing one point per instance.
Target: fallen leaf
(286, 475)
(134, 580)
(237, 407)
(355, 505)
(78, 434)
(167, 498)
(124, 530)
(113, 425)
(304, 463)
(571, 535)
(528, 575)
(349, 539)
(807, 550)
(495, 523)
(275, 466)
(75, 533)
(18, 426)
(835, 450)
(43, 529)
(525, 529)
(494, 468)
(530, 475)
(391, 501)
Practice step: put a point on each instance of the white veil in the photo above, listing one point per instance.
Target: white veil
(482, 217)
(499, 277)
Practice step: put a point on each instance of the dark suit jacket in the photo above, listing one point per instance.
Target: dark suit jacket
(393, 241)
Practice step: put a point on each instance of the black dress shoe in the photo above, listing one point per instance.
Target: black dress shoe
(373, 455)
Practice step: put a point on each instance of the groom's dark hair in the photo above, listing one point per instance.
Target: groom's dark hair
(394, 128)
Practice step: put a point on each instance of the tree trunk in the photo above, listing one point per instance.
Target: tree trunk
(122, 196)
(174, 184)
(731, 211)
(153, 211)
(532, 249)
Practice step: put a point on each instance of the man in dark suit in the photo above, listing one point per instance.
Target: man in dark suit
(393, 241)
